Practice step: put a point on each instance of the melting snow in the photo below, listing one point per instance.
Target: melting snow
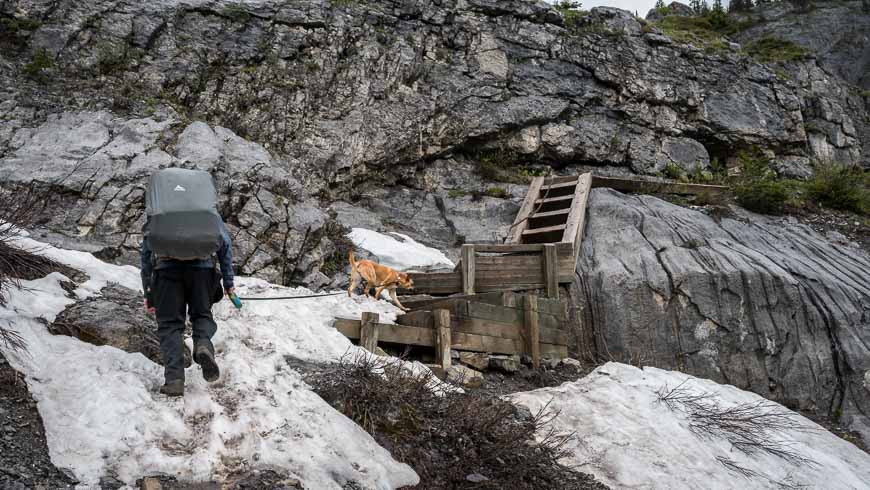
(629, 440)
(102, 412)
(399, 251)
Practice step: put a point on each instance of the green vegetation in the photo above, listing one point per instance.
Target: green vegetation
(456, 193)
(499, 192)
(698, 31)
(840, 186)
(505, 166)
(770, 49)
(15, 26)
(571, 12)
(236, 12)
(757, 188)
(41, 61)
(341, 3)
(865, 93)
(111, 59)
(834, 186)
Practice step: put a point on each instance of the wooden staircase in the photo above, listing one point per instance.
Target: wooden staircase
(553, 211)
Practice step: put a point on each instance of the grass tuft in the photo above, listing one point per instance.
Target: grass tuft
(771, 49)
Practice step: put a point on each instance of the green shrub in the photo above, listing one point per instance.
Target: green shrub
(770, 49)
(571, 12)
(698, 31)
(236, 13)
(14, 26)
(499, 192)
(757, 188)
(41, 61)
(840, 186)
(501, 166)
(675, 172)
(455, 193)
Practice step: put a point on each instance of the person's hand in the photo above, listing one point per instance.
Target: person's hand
(230, 291)
(149, 308)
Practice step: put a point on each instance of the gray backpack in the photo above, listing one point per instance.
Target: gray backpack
(183, 221)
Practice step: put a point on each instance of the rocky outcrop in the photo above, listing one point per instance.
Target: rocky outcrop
(116, 318)
(763, 304)
(838, 33)
(316, 114)
(837, 37)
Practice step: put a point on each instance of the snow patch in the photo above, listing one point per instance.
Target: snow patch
(629, 440)
(103, 415)
(399, 251)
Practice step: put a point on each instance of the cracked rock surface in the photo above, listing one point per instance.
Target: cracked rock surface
(764, 304)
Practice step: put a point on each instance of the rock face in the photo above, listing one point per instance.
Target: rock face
(378, 108)
(838, 32)
(838, 36)
(764, 304)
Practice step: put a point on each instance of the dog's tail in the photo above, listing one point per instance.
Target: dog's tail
(352, 261)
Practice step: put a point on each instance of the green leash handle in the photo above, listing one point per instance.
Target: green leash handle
(236, 301)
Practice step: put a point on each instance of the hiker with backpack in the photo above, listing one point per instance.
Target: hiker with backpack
(181, 237)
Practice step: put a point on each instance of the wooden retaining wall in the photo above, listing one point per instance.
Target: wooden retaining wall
(486, 268)
(524, 324)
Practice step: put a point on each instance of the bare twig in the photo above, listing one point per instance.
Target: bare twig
(749, 427)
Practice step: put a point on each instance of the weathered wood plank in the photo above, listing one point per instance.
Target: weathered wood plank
(551, 270)
(368, 333)
(558, 199)
(481, 343)
(491, 328)
(509, 315)
(520, 222)
(578, 210)
(554, 351)
(544, 235)
(577, 219)
(532, 329)
(421, 318)
(548, 218)
(400, 334)
(558, 189)
(560, 179)
(347, 327)
(443, 337)
(508, 248)
(645, 186)
(468, 266)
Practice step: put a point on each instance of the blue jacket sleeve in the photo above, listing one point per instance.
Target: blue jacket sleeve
(145, 264)
(225, 257)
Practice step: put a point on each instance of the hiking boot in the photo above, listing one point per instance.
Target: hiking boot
(173, 388)
(188, 358)
(205, 358)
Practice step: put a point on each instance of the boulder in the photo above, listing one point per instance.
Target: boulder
(765, 304)
(465, 376)
(477, 360)
(508, 364)
(117, 318)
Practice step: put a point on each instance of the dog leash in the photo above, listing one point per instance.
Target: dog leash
(293, 297)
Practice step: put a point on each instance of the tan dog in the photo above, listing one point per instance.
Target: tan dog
(378, 276)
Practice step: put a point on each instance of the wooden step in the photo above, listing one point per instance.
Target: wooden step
(553, 203)
(549, 218)
(556, 190)
(550, 234)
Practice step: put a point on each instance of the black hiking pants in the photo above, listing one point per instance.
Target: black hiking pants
(180, 292)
